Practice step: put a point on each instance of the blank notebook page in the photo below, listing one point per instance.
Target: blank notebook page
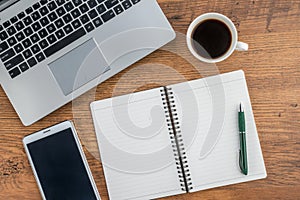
(210, 131)
(135, 146)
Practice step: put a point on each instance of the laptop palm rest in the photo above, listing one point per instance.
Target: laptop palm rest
(78, 67)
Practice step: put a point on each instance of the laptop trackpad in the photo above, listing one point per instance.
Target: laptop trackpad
(78, 67)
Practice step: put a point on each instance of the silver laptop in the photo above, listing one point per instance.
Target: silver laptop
(52, 51)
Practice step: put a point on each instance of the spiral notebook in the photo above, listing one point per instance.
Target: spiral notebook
(176, 139)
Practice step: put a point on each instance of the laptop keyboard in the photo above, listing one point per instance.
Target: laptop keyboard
(50, 25)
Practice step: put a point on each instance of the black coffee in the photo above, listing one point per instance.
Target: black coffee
(211, 39)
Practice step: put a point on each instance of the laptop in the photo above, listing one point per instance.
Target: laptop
(52, 51)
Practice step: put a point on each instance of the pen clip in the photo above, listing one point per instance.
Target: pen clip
(241, 161)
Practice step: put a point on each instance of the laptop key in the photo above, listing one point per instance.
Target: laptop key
(59, 34)
(36, 6)
(69, 6)
(43, 33)
(111, 3)
(18, 48)
(7, 55)
(40, 57)
(12, 41)
(20, 36)
(51, 39)
(77, 2)
(52, 16)
(43, 2)
(35, 16)
(34, 38)
(28, 31)
(27, 20)
(67, 18)
(20, 25)
(27, 54)
(84, 19)
(118, 9)
(21, 15)
(14, 19)
(35, 49)
(93, 13)
(60, 11)
(75, 13)
(32, 62)
(3, 46)
(13, 62)
(51, 28)
(76, 23)
(52, 6)
(36, 26)
(44, 11)
(60, 2)
(15, 72)
(44, 21)
(97, 22)
(83, 8)
(29, 10)
(108, 15)
(24, 67)
(64, 42)
(11, 30)
(101, 9)
(26, 43)
(68, 29)
(126, 4)
(43, 44)
(59, 23)
(3, 35)
(135, 1)
(6, 24)
(92, 3)
(89, 27)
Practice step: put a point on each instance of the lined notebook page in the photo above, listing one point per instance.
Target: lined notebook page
(135, 146)
(210, 131)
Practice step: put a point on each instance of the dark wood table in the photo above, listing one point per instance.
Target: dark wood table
(272, 68)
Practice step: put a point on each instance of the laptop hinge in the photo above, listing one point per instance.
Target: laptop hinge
(7, 3)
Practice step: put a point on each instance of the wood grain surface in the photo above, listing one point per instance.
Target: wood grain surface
(272, 30)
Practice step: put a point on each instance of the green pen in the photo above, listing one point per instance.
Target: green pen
(243, 144)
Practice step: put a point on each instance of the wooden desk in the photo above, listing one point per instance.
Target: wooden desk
(272, 29)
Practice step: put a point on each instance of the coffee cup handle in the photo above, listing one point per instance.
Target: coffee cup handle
(241, 46)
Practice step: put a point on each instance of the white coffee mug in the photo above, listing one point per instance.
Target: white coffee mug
(235, 44)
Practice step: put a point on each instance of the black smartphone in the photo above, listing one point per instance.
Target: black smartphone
(59, 164)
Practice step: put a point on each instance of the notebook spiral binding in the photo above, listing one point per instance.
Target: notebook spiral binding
(173, 124)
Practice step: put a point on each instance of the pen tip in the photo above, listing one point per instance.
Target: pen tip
(241, 108)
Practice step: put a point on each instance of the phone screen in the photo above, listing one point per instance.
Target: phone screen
(60, 168)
